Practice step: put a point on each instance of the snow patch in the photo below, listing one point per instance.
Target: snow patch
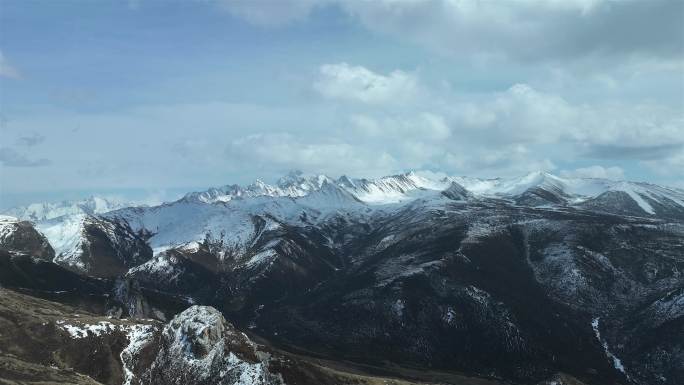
(66, 237)
(8, 219)
(138, 337)
(634, 193)
(79, 331)
(161, 266)
(262, 258)
(617, 364)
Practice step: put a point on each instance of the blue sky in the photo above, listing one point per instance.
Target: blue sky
(150, 98)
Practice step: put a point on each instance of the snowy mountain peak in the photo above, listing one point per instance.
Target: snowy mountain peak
(329, 195)
(260, 188)
(294, 184)
(456, 192)
(292, 178)
(345, 182)
(536, 179)
(649, 196)
(297, 183)
(44, 211)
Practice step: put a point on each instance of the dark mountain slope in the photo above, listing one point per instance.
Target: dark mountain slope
(48, 342)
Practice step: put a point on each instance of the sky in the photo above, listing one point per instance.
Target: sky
(147, 99)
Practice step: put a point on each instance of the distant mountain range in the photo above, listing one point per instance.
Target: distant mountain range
(401, 188)
(49, 210)
(212, 211)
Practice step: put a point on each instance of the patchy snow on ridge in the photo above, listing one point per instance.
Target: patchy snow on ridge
(138, 337)
(161, 266)
(7, 226)
(80, 330)
(261, 258)
(617, 364)
(635, 193)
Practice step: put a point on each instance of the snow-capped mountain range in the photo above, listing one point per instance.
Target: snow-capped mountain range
(228, 211)
(49, 210)
(391, 189)
(406, 187)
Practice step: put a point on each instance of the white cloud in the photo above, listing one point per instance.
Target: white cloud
(7, 70)
(529, 30)
(587, 87)
(672, 165)
(520, 114)
(503, 133)
(495, 161)
(283, 151)
(523, 114)
(511, 131)
(422, 126)
(357, 83)
(615, 173)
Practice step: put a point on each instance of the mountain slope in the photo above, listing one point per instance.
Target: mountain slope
(95, 245)
(48, 342)
(517, 279)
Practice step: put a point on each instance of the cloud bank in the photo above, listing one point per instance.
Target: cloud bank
(586, 88)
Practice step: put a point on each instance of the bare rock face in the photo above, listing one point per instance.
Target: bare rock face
(200, 347)
(21, 236)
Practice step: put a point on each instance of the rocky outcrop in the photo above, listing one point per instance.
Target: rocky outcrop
(200, 347)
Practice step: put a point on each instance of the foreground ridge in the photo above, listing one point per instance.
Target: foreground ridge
(198, 346)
